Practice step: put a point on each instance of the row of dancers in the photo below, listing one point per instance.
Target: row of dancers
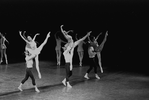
(32, 52)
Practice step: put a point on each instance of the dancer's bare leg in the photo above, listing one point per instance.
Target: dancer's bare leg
(58, 56)
(37, 64)
(5, 55)
(99, 61)
(37, 51)
(80, 53)
(1, 56)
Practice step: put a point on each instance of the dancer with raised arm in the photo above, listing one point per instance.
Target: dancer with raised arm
(92, 63)
(58, 48)
(99, 49)
(68, 55)
(3, 48)
(29, 65)
(30, 44)
(95, 45)
(80, 51)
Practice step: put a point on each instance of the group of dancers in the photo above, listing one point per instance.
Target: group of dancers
(32, 52)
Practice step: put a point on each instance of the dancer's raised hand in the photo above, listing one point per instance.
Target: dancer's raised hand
(48, 35)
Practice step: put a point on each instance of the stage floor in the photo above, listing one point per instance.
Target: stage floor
(111, 86)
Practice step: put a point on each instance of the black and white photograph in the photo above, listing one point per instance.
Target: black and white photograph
(74, 50)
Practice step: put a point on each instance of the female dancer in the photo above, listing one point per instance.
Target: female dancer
(99, 49)
(3, 48)
(68, 55)
(58, 48)
(30, 45)
(29, 65)
(80, 51)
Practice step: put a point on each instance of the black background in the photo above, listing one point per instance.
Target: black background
(125, 20)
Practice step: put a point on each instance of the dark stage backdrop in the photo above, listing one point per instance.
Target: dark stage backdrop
(126, 22)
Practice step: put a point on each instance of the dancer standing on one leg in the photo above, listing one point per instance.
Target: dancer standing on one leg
(99, 49)
(68, 55)
(58, 48)
(80, 51)
(3, 48)
(29, 65)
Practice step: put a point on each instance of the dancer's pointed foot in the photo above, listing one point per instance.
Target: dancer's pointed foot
(97, 76)
(36, 89)
(20, 88)
(86, 76)
(1, 61)
(80, 64)
(68, 85)
(64, 82)
(58, 63)
(7, 62)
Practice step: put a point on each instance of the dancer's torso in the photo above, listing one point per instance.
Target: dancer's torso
(58, 45)
(29, 63)
(30, 47)
(80, 46)
(91, 52)
(2, 44)
(68, 56)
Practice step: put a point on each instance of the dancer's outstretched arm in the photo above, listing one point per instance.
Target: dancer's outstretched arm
(65, 33)
(89, 38)
(78, 41)
(23, 37)
(97, 37)
(35, 36)
(4, 38)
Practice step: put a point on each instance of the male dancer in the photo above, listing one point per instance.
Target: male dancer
(68, 55)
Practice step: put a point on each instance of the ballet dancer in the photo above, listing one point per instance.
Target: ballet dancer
(80, 51)
(58, 48)
(3, 48)
(30, 45)
(95, 45)
(29, 64)
(92, 62)
(99, 49)
(68, 55)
